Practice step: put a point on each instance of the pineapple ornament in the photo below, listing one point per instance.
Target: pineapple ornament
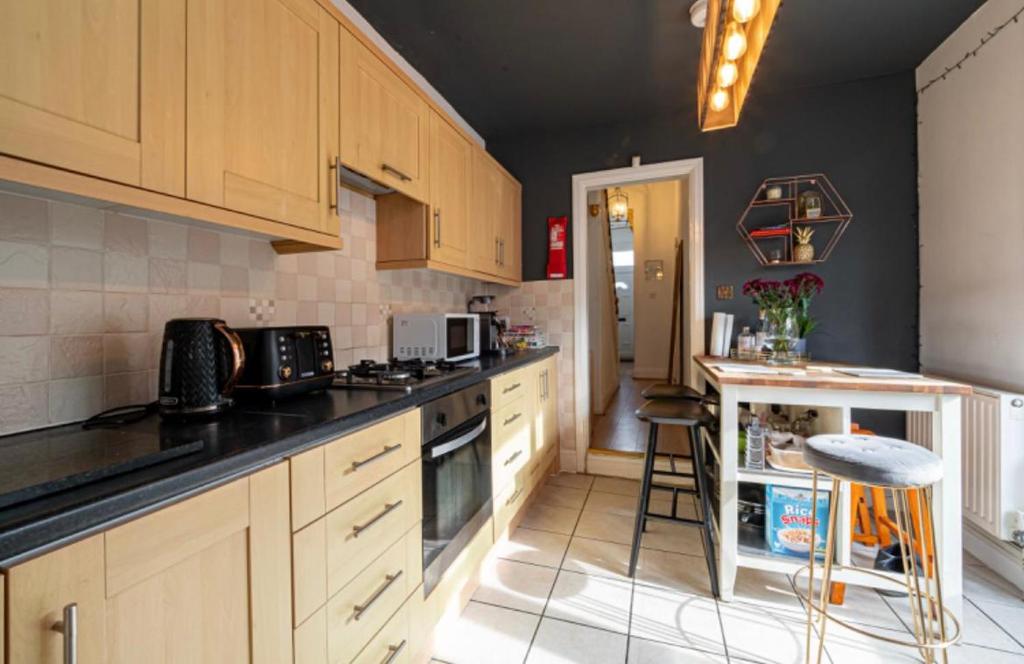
(803, 252)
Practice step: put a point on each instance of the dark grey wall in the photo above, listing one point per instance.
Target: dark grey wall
(861, 134)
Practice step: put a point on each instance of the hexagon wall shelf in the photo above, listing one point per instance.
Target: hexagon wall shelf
(771, 236)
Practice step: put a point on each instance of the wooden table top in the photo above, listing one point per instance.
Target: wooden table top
(824, 376)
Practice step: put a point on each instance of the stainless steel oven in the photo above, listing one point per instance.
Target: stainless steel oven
(456, 476)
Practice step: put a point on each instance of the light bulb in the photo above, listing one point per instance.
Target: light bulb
(719, 99)
(727, 74)
(735, 43)
(744, 10)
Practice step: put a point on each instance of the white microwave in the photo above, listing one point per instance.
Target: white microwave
(436, 337)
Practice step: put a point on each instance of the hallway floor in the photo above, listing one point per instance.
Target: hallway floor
(557, 593)
(618, 430)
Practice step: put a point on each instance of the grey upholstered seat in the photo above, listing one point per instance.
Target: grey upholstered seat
(666, 391)
(873, 460)
(674, 411)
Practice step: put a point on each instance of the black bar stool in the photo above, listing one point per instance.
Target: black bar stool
(667, 391)
(686, 413)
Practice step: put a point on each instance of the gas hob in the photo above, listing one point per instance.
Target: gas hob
(398, 375)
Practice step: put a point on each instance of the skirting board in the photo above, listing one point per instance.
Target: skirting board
(1003, 558)
(629, 466)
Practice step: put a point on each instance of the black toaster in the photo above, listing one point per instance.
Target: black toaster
(285, 361)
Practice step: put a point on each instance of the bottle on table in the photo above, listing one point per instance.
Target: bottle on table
(754, 458)
(746, 348)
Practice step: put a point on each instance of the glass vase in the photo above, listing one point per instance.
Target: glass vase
(781, 336)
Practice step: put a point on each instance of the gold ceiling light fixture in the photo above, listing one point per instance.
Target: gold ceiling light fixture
(735, 33)
(618, 206)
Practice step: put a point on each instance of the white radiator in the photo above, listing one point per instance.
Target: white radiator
(992, 442)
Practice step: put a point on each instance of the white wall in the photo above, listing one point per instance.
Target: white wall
(658, 224)
(971, 173)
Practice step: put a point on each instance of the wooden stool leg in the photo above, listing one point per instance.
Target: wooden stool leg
(645, 492)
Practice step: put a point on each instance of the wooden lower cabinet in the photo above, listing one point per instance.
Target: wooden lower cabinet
(204, 580)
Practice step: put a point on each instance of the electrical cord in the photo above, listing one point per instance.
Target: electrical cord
(121, 416)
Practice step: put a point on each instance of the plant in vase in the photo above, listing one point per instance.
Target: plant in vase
(775, 299)
(802, 288)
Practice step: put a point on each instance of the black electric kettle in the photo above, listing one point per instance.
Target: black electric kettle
(200, 361)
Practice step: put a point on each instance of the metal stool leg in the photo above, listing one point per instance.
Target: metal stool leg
(645, 493)
(826, 577)
(708, 527)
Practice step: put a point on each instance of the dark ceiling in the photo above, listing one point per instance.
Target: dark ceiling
(516, 66)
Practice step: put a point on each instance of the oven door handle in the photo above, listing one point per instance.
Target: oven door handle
(461, 441)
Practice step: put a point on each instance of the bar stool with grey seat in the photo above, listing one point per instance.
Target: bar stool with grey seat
(669, 391)
(684, 413)
(908, 472)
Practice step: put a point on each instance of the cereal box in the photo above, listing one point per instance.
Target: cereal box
(788, 520)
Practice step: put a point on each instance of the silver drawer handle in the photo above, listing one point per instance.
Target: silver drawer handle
(387, 168)
(359, 609)
(513, 457)
(510, 388)
(513, 419)
(69, 628)
(393, 652)
(356, 465)
(514, 496)
(388, 509)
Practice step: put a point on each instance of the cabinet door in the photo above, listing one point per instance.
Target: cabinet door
(205, 580)
(451, 160)
(384, 122)
(263, 109)
(510, 219)
(96, 87)
(485, 191)
(550, 409)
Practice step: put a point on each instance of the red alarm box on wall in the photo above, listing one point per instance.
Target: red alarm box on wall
(557, 229)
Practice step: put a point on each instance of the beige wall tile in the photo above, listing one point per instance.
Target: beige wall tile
(287, 286)
(125, 272)
(24, 218)
(202, 306)
(24, 311)
(76, 356)
(24, 265)
(75, 399)
(307, 286)
(325, 291)
(234, 250)
(163, 308)
(261, 255)
(203, 278)
(168, 240)
(203, 246)
(128, 388)
(75, 268)
(126, 352)
(76, 225)
(125, 312)
(262, 283)
(24, 406)
(306, 313)
(235, 311)
(234, 281)
(126, 235)
(167, 275)
(24, 359)
(76, 312)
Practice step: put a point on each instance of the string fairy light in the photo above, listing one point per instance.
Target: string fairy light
(970, 54)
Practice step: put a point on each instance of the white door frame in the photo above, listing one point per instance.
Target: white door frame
(693, 170)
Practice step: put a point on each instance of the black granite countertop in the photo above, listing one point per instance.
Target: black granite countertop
(201, 454)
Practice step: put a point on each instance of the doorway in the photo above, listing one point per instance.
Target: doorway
(631, 226)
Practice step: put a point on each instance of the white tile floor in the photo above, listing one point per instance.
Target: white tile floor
(557, 593)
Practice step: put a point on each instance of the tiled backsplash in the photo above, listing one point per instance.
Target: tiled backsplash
(85, 293)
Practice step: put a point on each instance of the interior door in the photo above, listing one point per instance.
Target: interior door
(486, 200)
(263, 109)
(384, 122)
(451, 160)
(96, 87)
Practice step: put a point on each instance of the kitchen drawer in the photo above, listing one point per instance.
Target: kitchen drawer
(510, 426)
(391, 645)
(328, 553)
(510, 458)
(361, 608)
(509, 386)
(358, 461)
(509, 500)
(361, 529)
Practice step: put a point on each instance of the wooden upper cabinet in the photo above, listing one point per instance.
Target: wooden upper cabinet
(96, 87)
(451, 161)
(384, 122)
(510, 233)
(485, 196)
(263, 109)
